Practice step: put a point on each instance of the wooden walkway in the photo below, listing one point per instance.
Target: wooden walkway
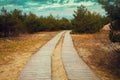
(75, 67)
(39, 67)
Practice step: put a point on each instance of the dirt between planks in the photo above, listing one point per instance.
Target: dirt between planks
(58, 71)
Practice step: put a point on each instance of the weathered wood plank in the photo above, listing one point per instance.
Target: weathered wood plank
(75, 67)
(39, 67)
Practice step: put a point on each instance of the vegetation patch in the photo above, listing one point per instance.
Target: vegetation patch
(15, 52)
(112, 7)
(99, 53)
(13, 23)
(86, 22)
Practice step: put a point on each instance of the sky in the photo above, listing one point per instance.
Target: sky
(61, 8)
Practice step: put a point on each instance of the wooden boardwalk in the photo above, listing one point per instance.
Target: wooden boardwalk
(75, 67)
(39, 67)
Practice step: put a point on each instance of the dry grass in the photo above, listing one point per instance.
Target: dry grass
(98, 52)
(15, 52)
(58, 71)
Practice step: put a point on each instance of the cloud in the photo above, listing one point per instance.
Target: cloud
(11, 7)
(32, 3)
(46, 7)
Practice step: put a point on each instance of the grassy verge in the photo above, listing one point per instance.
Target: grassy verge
(16, 52)
(98, 52)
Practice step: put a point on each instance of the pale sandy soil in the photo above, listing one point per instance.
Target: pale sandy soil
(16, 52)
(106, 27)
(96, 51)
(58, 71)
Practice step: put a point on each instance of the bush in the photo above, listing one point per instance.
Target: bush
(31, 23)
(86, 22)
(14, 23)
(114, 37)
(112, 7)
(10, 23)
(114, 34)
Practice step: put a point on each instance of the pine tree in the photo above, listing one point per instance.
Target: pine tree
(86, 22)
(112, 7)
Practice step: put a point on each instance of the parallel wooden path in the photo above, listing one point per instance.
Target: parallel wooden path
(75, 67)
(39, 67)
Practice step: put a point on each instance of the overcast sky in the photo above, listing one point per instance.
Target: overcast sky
(61, 8)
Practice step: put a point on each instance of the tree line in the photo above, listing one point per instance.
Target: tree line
(14, 23)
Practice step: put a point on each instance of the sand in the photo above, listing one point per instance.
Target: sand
(58, 71)
(16, 52)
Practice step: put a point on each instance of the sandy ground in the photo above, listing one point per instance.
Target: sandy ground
(16, 52)
(58, 71)
(96, 51)
(106, 27)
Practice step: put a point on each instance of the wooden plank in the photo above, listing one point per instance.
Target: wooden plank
(75, 67)
(39, 67)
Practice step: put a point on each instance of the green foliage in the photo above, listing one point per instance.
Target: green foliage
(10, 22)
(14, 23)
(115, 25)
(114, 37)
(86, 22)
(31, 23)
(112, 8)
(64, 24)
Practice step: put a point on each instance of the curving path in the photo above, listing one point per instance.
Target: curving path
(39, 67)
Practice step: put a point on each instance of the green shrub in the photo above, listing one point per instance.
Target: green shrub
(114, 37)
(86, 22)
(10, 23)
(112, 7)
